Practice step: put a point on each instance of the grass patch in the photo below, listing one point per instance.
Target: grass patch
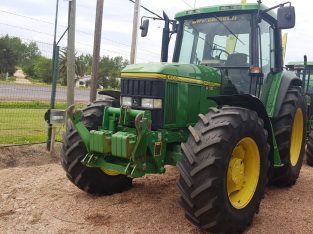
(35, 105)
(25, 125)
(23, 122)
(19, 126)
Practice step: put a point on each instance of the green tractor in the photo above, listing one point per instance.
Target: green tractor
(223, 111)
(305, 70)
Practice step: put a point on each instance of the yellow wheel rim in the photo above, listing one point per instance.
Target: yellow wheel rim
(110, 172)
(296, 137)
(243, 173)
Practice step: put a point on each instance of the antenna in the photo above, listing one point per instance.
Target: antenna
(259, 8)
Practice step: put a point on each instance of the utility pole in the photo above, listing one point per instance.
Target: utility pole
(133, 50)
(96, 51)
(71, 53)
(54, 75)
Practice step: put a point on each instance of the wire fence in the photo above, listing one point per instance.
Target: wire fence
(24, 99)
(25, 92)
(22, 110)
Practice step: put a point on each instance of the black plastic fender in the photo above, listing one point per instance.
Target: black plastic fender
(249, 101)
(111, 93)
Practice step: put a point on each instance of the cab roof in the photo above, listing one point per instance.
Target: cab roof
(222, 9)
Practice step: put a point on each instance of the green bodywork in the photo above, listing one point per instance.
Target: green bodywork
(125, 142)
(131, 151)
(270, 92)
(136, 151)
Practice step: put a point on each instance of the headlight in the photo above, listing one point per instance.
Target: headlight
(126, 101)
(151, 103)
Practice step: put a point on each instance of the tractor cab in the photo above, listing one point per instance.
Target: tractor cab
(242, 41)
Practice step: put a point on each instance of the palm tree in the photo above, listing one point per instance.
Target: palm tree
(82, 65)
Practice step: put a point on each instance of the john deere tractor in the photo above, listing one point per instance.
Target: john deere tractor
(223, 111)
(304, 70)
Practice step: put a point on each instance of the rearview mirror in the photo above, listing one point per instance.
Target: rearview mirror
(286, 17)
(144, 27)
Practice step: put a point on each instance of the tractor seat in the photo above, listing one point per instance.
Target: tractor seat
(239, 77)
(237, 59)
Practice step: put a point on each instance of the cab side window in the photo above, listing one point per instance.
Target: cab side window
(266, 49)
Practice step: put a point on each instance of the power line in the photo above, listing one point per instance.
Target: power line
(145, 8)
(28, 17)
(187, 3)
(80, 31)
(27, 29)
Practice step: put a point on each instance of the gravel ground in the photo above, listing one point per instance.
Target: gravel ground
(36, 197)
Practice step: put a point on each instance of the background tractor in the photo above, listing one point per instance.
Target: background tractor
(223, 111)
(304, 70)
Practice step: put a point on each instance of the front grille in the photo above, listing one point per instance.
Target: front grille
(171, 103)
(139, 88)
(143, 87)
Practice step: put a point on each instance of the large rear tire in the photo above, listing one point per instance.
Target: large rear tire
(309, 149)
(290, 129)
(91, 180)
(224, 172)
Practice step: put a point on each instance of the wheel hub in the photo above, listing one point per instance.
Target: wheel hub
(237, 168)
(243, 173)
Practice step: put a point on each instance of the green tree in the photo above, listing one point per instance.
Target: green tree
(82, 65)
(10, 53)
(42, 69)
(8, 58)
(27, 61)
(109, 70)
(13, 52)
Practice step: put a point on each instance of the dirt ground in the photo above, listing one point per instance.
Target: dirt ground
(36, 197)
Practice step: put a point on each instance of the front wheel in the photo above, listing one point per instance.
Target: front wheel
(224, 172)
(91, 180)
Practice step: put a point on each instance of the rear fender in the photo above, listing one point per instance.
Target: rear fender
(278, 85)
(288, 78)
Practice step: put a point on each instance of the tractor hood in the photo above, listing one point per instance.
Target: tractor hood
(190, 73)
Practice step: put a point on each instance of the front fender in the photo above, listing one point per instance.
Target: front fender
(253, 103)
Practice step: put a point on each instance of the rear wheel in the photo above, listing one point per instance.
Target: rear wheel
(91, 180)
(289, 127)
(224, 171)
(309, 149)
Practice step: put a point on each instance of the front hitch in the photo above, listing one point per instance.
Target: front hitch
(115, 145)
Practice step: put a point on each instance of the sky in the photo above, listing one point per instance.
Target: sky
(33, 20)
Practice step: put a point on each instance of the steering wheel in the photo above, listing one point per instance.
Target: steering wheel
(219, 55)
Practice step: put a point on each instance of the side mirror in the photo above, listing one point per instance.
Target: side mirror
(286, 17)
(144, 27)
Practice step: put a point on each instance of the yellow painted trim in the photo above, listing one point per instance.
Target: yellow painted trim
(284, 45)
(110, 172)
(296, 137)
(169, 77)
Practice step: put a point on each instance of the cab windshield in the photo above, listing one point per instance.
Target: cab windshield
(217, 41)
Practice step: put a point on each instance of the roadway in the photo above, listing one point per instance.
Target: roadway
(22, 92)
